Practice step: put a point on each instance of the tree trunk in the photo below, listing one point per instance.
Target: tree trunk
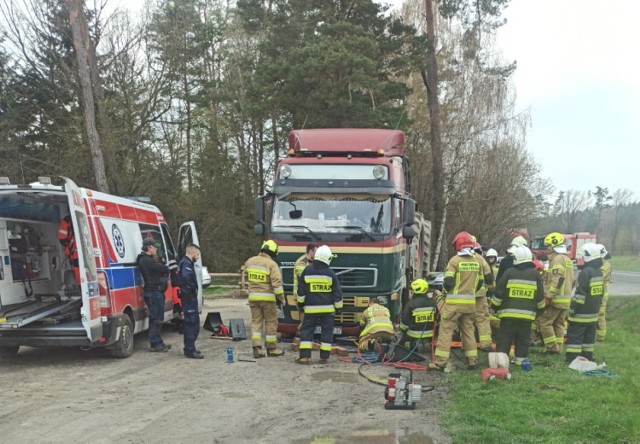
(430, 80)
(76, 19)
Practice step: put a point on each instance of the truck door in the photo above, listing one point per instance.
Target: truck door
(90, 310)
(189, 235)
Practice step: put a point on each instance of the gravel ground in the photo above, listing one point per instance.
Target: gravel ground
(68, 395)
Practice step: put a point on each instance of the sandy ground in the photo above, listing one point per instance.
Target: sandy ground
(68, 395)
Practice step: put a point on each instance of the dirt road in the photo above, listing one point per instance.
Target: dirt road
(67, 395)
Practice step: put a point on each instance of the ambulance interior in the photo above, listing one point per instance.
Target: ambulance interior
(37, 283)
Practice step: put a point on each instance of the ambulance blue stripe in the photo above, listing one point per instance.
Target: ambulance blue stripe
(123, 277)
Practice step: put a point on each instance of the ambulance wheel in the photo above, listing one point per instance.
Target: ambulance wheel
(123, 347)
(9, 351)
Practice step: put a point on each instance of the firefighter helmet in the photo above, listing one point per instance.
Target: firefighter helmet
(491, 253)
(462, 240)
(419, 286)
(270, 247)
(519, 241)
(323, 254)
(603, 251)
(554, 239)
(591, 251)
(521, 255)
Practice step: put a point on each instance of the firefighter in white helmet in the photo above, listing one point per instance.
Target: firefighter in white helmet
(601, 330)
(320, 296)
(558, 288)
(583, 314)
(265, 291)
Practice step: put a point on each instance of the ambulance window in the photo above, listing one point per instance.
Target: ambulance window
(152, 232)
(171, 252)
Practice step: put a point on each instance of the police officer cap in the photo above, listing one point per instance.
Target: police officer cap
(149, 243)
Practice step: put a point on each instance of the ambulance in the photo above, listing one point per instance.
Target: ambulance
(48, 299)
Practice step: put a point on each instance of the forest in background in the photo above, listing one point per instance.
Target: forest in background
(191, 101)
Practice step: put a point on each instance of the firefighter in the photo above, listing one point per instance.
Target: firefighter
(155, 275)
(481, 316)
(558, 286)
(463, 278)
(189, 301)
(507, 260)
(376, 324)
(67, 239)
(492, 259)
(519, 296)
(419, 314)
(320, 297)
(585, 306)
(298, 268)
(601, 331)
(265, 292)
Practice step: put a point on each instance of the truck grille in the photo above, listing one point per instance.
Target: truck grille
(357, 277)
(347, 318)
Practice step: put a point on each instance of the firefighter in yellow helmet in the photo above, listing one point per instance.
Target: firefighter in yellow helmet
(601, 331)
(418, 315)
(462, 279)
(376, 324)
(558, 287)
(265, 291)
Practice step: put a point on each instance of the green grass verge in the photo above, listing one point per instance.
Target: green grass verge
(553, 404)
(625, 263)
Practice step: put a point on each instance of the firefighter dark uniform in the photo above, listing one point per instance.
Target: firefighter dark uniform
(320, 296)
(299, 266)
(519, 296)
(155, 276)
(265, 290)
(189, 303)
(558, 289)
(601, 330)
(463, 278)
(583, 314)
(376, 324)
(418, 315)
(67, 239)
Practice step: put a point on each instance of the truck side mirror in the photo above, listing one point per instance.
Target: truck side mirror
(409, 212)
(258, 229)
(408, 232)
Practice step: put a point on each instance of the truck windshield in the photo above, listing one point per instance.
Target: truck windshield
(332, 214)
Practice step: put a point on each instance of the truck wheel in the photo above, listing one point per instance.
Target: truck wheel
(123, 348)
(9, 351)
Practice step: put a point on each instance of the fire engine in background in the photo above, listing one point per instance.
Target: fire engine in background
(573, 241)
(349, 189)
(92, 299)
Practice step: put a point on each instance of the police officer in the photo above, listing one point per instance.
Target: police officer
(419, 314)
(265, 291)
(320, 296)
(189, 301)
(155, 275)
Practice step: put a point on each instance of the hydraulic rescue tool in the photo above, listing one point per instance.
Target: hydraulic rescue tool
(402, 393)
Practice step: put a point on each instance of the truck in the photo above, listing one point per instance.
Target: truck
(49, 298)
(573, 241)
(348, 189)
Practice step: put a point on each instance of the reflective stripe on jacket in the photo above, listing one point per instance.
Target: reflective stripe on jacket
(264, 279)
(319, 290)
(519, 293)
(376, 319)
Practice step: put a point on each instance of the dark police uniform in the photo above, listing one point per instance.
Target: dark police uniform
(189, 301)
(320, 295)
(155, 275)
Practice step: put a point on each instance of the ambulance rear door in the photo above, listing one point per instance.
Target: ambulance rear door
(90, 310)
(189, 235)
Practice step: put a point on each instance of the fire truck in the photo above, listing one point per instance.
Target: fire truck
(48, 299)
(573, 241)
(348, 189)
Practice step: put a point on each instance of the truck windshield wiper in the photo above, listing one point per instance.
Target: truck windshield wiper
(354, 227)
(299, 226)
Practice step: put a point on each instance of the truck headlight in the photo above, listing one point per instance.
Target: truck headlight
(384, 300)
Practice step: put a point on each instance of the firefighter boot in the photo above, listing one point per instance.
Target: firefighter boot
(472, 364)
(274, 352)
(258, 353)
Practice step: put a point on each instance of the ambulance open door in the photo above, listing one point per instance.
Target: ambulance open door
(189, 235)
(90, 310)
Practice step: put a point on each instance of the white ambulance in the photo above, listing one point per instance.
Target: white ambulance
(48, 299)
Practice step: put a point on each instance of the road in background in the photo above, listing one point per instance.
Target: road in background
(625, 283)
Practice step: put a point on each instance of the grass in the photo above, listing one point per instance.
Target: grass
(625, 263)
(553, 404)
(215, 292)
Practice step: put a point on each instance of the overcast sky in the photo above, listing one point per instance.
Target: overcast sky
(577, 74)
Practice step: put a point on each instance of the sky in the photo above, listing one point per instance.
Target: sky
(577, 76)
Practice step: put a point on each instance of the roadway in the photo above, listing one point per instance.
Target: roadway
(625, 283)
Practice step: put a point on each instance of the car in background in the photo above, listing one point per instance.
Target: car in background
(206, 277)
(435, 280)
